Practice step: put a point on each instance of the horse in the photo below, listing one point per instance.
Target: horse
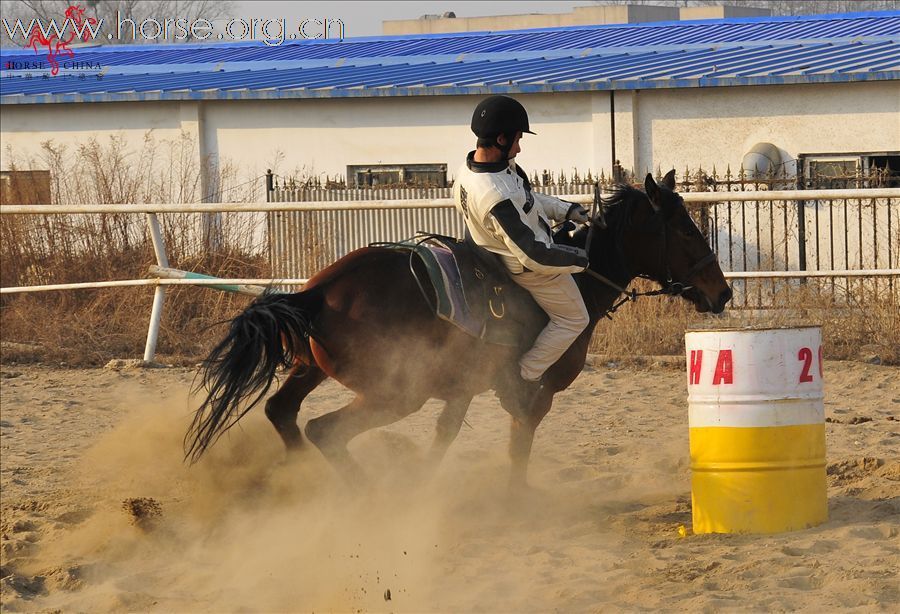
(364, 322)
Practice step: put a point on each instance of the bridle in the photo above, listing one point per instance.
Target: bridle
(671, 287)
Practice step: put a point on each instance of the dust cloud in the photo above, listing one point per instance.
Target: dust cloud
(99, 513)
(251, 529)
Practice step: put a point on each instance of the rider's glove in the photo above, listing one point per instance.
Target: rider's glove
(577, 214)
(580, 256)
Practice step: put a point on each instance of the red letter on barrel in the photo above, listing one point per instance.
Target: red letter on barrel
(694, 373)
(806, 355)
(724, 369)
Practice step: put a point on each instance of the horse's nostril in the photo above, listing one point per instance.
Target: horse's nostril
(725, 297)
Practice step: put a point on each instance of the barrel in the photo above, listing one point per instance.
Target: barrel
(757, 429)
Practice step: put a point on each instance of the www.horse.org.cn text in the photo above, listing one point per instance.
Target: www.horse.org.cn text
(270, 31)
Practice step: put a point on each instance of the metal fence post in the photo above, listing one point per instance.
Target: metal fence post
(801, 222)
(801, 232)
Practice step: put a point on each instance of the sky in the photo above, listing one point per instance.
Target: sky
(364, 18)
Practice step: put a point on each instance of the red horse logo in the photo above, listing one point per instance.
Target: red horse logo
(54, 45)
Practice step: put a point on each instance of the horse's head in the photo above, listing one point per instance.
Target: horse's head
(661, 242)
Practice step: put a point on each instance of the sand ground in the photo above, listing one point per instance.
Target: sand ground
(88, 455)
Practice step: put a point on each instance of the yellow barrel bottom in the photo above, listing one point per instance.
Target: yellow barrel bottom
(758, 479)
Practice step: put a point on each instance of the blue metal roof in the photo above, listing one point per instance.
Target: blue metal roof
(753, 51)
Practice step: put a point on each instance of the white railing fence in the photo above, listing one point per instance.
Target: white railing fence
(355, 224)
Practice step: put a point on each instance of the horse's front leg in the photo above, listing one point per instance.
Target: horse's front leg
(522, 437)
(333, 431)
(448, 426)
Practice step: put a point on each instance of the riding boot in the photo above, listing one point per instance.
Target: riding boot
(528, 391)
(517, 394)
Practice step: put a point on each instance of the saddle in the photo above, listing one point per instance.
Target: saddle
(472, 290)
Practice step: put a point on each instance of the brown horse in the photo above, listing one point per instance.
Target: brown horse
(364, 322)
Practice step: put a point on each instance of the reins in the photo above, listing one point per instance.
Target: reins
(670, 288)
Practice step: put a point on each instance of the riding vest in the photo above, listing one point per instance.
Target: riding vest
(505, 217)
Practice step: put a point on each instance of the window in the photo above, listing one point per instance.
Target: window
(888, 169)
(855, 170)
(375, 175)
(25, 187)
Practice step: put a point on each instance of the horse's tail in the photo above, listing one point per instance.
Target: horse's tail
(270, 333)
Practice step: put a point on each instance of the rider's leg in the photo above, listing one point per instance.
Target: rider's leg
(557, 295)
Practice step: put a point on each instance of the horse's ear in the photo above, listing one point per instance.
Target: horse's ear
(652, 191)
(669, 180)
(650, 185)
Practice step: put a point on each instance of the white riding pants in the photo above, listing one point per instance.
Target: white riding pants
(557, 295)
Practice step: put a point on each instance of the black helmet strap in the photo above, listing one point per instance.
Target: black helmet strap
(488, 142)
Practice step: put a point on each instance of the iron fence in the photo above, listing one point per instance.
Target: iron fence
(762, 234)
(793, 235)
(303, 242)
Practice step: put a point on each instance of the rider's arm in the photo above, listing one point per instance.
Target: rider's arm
(556, 209)
(553, 208)
(534, 254)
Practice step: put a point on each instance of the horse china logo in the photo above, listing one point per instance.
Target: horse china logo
(56, 46)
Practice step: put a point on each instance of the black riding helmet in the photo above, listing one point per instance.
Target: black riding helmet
(496, 115)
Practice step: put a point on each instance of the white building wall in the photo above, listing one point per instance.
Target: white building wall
(716, 126)
(324, 136)
(654, 128)
(24, 127)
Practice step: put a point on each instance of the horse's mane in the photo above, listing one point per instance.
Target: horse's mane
(618, 209)
(619, 205)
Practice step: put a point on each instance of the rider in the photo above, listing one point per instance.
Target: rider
(504, 216)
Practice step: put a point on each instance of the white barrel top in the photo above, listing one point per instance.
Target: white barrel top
(754, 376)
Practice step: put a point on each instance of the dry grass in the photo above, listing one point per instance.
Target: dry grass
(89, 327)
(859, 319)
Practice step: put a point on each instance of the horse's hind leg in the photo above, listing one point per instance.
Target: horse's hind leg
(448, 425)
(333, 431)
(283, 406)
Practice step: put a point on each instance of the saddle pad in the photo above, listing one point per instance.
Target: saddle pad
(452, 305)
(444, 275)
